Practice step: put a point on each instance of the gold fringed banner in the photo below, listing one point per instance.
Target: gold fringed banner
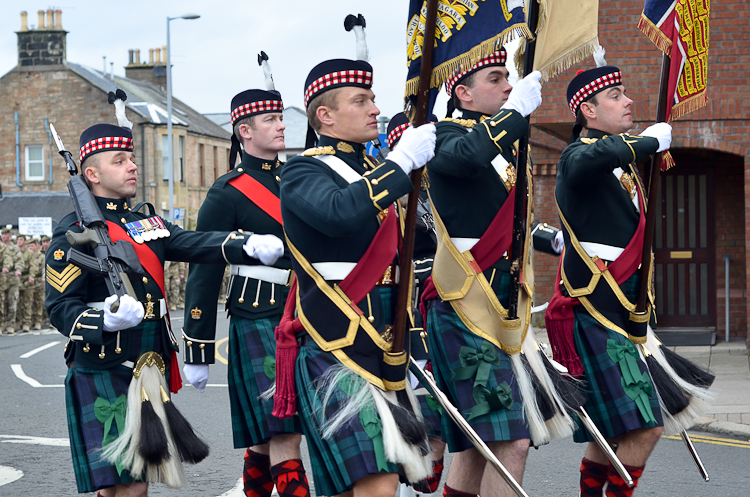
(667, 162)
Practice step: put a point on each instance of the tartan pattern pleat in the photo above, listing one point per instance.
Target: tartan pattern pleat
(613, 412)
(82, 387)
(447, 334)
(251, 343)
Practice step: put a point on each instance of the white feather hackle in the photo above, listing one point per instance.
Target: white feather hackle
(122, 119)
(359, 34)
(599, 54)
(267, 74)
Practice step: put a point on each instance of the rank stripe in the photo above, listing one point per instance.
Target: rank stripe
(61, 281)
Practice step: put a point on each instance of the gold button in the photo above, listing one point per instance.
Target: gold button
(78, 326)
(189, 343)
(203, 345)
(239, 169)
(184, 338)
(278, 179)
(145, 280)
(374, 181)
(493, 123)
(371, 319)
(232, 236)
(102, 355)
(118, 350)
(273, 301)
(241, 301)
(148, 296)
(85, 314)
(123, 220)
(255, 304)
(86, 348)
(175, 343)
(240, 230)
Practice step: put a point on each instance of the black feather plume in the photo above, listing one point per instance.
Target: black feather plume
(111, 97)
(121, 94)
(411, 427)
(688, 370)
(153, 445)
(543, 400)
(261, 57)
(567, 387)
(191, 448)
(672, 396)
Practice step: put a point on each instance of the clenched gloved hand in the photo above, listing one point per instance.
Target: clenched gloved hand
(662, 132)
(129, 314)
(526, 96)
(196, 375)
(415, 149)
(266, 248)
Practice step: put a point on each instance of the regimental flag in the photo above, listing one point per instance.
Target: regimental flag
(466, 31)
(567, 33)
(680, 29)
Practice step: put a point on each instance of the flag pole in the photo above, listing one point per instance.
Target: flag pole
(519, 215)
(410, 221)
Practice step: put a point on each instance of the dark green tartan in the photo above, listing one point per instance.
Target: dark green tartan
(447, 334)
(613, 412)
(82, 387)
(252, 354)
(338, 462)
(431, 417)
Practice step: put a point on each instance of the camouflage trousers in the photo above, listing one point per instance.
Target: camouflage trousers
(30, 304)
(3, 290)
(11, 301)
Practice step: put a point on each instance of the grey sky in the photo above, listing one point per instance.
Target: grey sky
(215, 57)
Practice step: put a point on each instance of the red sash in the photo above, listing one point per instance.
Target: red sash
(559, 317)
(495, 241)
(259, 195)
(154, 267)
(358, 283)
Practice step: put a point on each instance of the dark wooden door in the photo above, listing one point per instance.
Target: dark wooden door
(685, 246)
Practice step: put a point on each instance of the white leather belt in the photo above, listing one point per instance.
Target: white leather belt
(162, 307)
(263, 273)
(464, 244)
(606, 252)
(334, 271)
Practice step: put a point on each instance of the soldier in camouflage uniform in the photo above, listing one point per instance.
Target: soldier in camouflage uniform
(44, 321)
(6, 265)
(30, 295)
(13, 282)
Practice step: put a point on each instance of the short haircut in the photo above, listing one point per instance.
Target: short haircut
(89, 161)
(580, 118)
(328, 99)
(469, 82)
(249, 120)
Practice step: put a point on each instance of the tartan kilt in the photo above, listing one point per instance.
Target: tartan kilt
(613, 412)
(432, 412)
(82, 387)
(447, 334)
(251, 371)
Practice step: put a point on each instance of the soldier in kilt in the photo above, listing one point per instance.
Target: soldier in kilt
(342, 231)
(602, 206)
(247, 198)
(107, 348)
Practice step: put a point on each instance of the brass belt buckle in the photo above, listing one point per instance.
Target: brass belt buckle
(149, 308)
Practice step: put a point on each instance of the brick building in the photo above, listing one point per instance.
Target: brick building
(704, 207)
(47, 88)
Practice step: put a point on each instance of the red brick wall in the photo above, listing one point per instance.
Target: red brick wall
(723, 125)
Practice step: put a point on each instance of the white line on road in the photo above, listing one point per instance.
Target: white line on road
(9, 475)
(18, 370)
(39, 349)
(20, 439)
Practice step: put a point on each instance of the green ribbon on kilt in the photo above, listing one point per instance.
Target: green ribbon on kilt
(373, 428)
(491, 399)
(269, 367)
(433, 404)
(106, 412)
(637, 384)
(477, 362)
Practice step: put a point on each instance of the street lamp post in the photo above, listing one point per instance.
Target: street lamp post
(170, 139)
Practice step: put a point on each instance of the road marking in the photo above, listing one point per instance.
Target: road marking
(727, 442)
(20, 439)
(218, 355)
(236, 491)
(9, 475)
(18, 371)
(39, 349)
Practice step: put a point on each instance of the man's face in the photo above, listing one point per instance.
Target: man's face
(356, 118)
(267, 135)
(6, 237)
(21, 242)
(45, 245)
(614, 111)
(490, 91)
(116, 176)
(33, 246)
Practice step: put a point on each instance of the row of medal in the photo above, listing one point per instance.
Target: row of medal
(147, 229)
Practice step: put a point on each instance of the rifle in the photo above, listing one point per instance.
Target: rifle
(111, 260)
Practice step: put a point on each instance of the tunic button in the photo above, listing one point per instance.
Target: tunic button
(86, 348)
(232, 236)
(241, 301)
(203, 345)
(102, 355)
(123, 220)
(240, 230)
(118, 350)
(189, 343)
(374, 181)
(78, 326)
(272, 302)
(255, 304)
(278, 179)
(239, 169)
(145, 280)
(148, 296)
(85, 314)
(493, 123)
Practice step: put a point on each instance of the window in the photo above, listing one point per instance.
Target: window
(201, 165)
(216, 163)
(181, 155)
(164, 158)
(34, 158)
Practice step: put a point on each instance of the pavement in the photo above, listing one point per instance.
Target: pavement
(730, 362)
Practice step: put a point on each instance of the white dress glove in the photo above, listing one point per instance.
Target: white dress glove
(196, 375)
(526, 96)
(662, 132)
(129, 314)
(415, 149)
(265, 248)
(558, 243)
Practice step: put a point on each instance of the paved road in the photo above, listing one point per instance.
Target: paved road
(35, 458)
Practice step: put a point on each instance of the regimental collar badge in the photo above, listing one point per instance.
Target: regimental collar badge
(344, 147)
(111, 206)
(59, 254)
(125, 206)
(326, 150)
(266, 166)
(195, 313)
(278, 163)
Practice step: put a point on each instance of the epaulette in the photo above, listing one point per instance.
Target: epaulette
(327, 150)
(466, 123)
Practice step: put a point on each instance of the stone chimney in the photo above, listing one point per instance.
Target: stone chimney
(43, 46)
(152, 72)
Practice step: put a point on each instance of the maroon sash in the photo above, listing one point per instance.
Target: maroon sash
(259, 195)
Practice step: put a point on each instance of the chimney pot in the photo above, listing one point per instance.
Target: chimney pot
(41, 20)
(164, 51)
(138, 56)
(58, 19)
(151, 56)
(24, 21)
(130, 57)
(50, 19)
(157, 55)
